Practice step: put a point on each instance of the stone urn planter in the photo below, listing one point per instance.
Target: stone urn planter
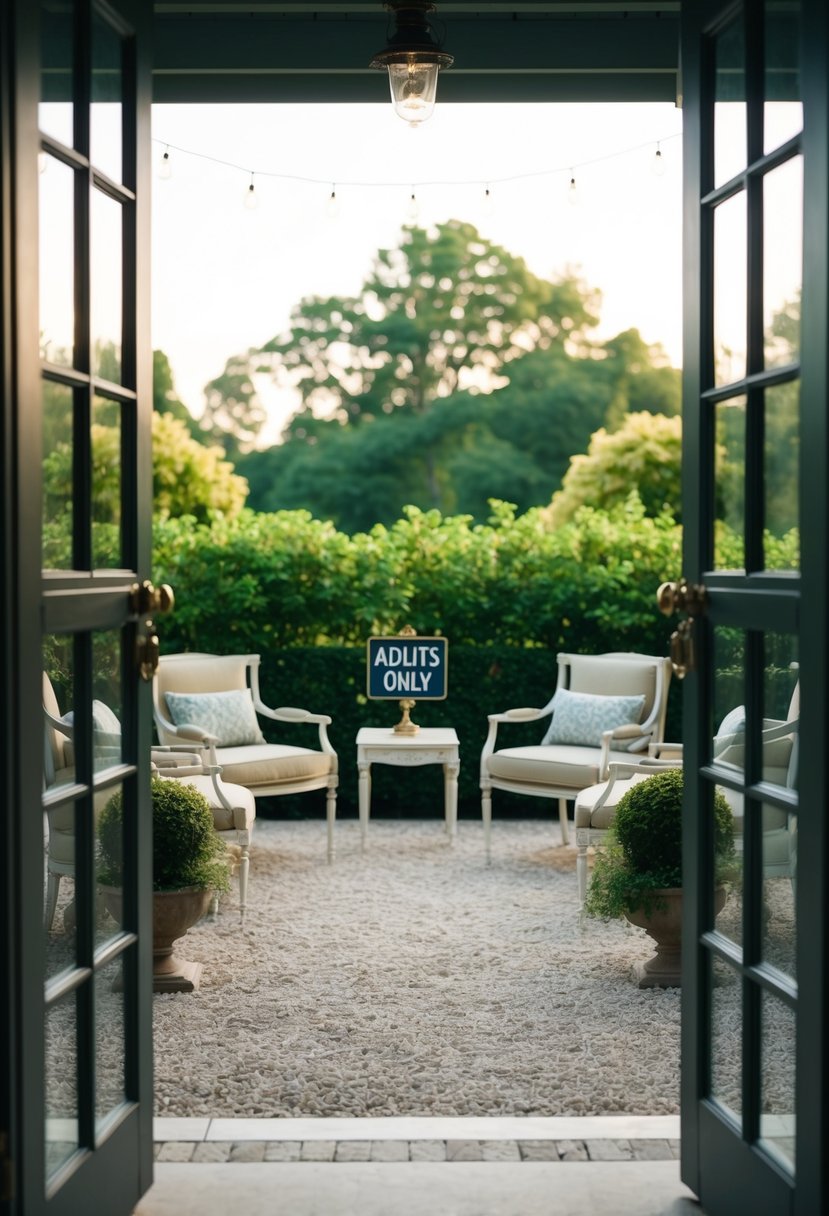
(190, 863)
(664, 924)
(638, 873)
(174, 912)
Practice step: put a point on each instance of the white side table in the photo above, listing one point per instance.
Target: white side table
(431, 745)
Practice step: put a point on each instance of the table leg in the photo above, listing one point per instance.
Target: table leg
(364, 797)
(450, 797)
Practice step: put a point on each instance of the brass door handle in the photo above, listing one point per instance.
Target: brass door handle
(147, 600)
(686, 597)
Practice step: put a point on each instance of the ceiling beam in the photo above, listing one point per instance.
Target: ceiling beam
(621, 56)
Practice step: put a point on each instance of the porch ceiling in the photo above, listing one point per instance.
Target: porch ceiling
(535, 50)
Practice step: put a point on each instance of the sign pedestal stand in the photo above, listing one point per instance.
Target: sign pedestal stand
(405, 726)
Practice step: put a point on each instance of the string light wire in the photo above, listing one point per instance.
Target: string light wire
(413, 187)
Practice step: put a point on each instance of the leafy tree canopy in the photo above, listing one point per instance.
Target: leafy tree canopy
(645, 454)
(165, 398)
(445, 310)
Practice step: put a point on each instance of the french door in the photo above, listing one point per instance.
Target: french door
(77, 513)
(754, 506)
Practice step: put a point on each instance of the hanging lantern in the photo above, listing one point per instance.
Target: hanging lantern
(413, 58)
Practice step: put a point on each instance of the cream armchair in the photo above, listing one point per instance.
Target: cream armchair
(605, 707)
(214, 700)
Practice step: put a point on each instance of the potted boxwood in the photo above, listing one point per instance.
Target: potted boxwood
(638, 872)
(189, 865)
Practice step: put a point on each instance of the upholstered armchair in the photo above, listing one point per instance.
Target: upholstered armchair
(214, 700)
(604, 708)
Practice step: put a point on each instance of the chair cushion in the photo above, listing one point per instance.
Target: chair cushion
(586, 817)
(581, 718)
(271, 764)
(242, 800)
(570, 768)
(229, 716)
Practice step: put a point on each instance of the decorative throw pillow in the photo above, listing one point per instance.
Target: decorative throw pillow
(229, 716)
(581, 718)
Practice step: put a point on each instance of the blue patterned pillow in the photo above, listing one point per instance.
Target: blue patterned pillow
(229, 716)
(581, 718)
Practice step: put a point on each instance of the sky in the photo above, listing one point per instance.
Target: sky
(225, 277)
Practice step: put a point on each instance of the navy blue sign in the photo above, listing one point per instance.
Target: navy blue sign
(407, 667)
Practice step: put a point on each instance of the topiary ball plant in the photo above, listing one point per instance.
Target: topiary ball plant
(187, 852)
(643, 850)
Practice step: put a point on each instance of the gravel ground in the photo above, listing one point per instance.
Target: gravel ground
(413, 979)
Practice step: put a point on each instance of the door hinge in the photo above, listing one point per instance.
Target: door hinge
(7, 1177)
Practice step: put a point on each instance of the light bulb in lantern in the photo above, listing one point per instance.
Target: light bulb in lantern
(413, 60)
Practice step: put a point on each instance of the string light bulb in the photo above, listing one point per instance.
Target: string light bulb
(489, 203)
(413, 210)
(658, 163)
(251, 201)
(332, 207)
(572, 191)
(165, 168)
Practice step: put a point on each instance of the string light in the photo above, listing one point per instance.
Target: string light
(658, 163)
(413, 210)
(489, 203)
(165, 169)
(332, 208)
(251, 201)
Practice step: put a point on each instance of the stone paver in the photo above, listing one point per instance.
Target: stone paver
(427, 1150)
(389, 1150)
(283, 1150)
(318, 1150)
(571, 1150)
(415, 1150)
(500, 1150)
(176, 1150)
(213, 1150)
(248, 1150)
(651, 1150)
(539, 1150)
(464, 1150)
(353, 1150)
(609, 1150)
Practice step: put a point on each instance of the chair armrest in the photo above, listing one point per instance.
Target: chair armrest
(522, 714)
(289, 713)
(618, 770)
(630, 730)
(666, 751)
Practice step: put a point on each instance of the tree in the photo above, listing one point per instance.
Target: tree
(644, 456)
(446, 310)
(233, 414)
(165, 398)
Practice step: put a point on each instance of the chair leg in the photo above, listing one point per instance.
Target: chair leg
(486, 814)
(562, 818)
(52, 885)
(244, 867)
(581, 874)
(331, 815)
